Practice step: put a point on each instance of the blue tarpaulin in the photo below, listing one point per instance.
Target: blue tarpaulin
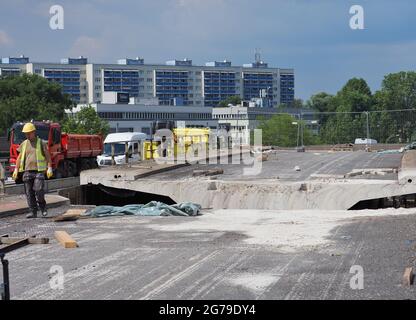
(153, 208)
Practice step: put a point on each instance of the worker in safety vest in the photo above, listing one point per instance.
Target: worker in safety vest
(33, 161)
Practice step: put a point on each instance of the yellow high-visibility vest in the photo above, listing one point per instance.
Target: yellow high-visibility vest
(40, 158)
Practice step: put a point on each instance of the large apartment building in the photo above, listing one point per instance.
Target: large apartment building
(178, 82)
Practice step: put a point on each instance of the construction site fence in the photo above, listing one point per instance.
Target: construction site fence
(390, 129)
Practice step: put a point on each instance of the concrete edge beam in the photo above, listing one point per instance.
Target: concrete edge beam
(407, 170)
(50, 185)
(57, 201)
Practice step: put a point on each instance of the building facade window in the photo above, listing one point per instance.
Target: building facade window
(69, 79)
(122, 81)
(218, 86)
(254, 83)
(287, 88)
(172, 85)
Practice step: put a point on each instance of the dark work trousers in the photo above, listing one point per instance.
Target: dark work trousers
(35, 190)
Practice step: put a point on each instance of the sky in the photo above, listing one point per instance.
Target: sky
(312, 36)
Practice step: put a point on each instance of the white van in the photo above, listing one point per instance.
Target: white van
(134, 141)
(365, 141)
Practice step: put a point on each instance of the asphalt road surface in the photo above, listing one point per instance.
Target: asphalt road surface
(226, 254)
(281, 165)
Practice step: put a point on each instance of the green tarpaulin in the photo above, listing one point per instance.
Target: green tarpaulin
(153, 208)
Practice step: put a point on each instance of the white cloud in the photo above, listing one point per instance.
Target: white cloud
(87, 46)
(5, 39)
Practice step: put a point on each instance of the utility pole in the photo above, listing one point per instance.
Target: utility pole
(301, 128)
(297, 140)
(368, 131)
(238, 131)
(298, 133)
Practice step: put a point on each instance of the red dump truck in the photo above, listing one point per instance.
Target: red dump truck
(70, 153)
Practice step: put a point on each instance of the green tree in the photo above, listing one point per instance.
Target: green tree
(282, 130)
(27, 97)
(351, 101)
(343, 128)
(383, 127)
(295, 104)
(321, 102)
(398, 92)
(86, 121)
(355, 96)
(234, 100)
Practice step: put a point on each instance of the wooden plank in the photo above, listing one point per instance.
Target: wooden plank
(262, 157)
(10, 240)
(408, 277)
(70, 215)
(38, 240)
(14, 246)
(65, 239)
(63, 217)
(74, 212)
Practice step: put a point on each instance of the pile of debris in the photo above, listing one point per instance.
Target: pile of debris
(343, 147)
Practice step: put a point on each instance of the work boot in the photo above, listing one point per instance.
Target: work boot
(32, 215)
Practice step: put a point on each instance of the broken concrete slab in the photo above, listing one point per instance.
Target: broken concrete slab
(407, 170)
(370, 171)
(50, 186)
(327, 176)
(264, 191)
(126, 172)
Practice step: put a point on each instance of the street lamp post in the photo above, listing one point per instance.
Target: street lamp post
(269, 99)
(301, 129)
(238, 136)
(296, 123)
(300, 148)
(368, 131)
(238, 114)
